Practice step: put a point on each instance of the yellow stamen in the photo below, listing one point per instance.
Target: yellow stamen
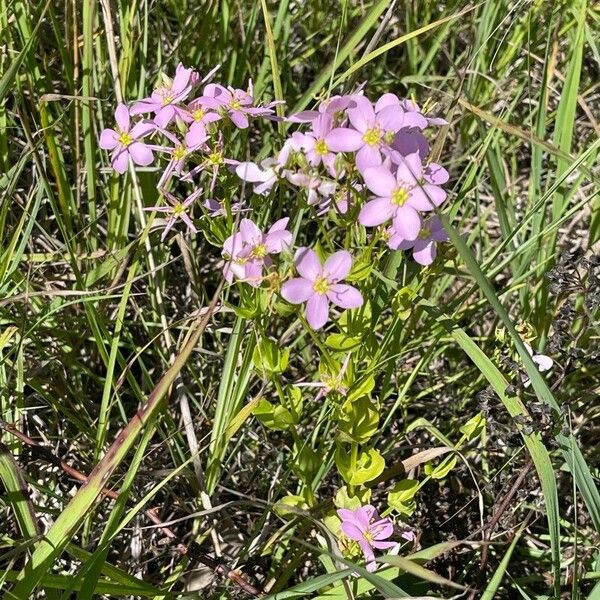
(180, 152)
(321, 285)
(425, 233)
(259, 251)
(125, 138)
(372, 136)
(321, 147)
(198, 114)
(399, 196)
(215, 158)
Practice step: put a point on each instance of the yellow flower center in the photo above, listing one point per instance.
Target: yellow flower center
(125, 138)
(198, 114)
(215, 158)
(372, 136)
(235, 104)
(179, 152)
(321, 285)
(399, 196)
(321, 147)
(368, 536)
(178, 209)
(425, 233)
(167, 96)
(259, 251)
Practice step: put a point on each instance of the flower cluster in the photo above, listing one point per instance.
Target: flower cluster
(353, 145)
(184, 120)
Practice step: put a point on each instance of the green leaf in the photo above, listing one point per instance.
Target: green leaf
(17, 494)
(363, 387)
(359, 420)
(406, 565)
(273, 416)
(360, 497)
(369, 466)
(442, 469)
(267, 357)
(401, 496)
(474, 427)
(341, 342)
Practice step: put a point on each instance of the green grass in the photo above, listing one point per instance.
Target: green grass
(98, 318)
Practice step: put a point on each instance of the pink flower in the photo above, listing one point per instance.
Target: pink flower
(410, 138)
(333, 106)
(238, 104)
(319, 144)
(264, 176)
(543, 362)
(216, 208)
(424, 247)
(165, 99)
(372, 131)
(400, 196)
(258, 246)
(176, 210)
(124, 141)
(318, 285)
(364, 526)
(248, 251)
(179, 155)
(319, 189)
(213, 161)
(235, 264)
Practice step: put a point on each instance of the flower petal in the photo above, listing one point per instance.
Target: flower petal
(120, 160)
(411, 140)
(543, 362)
(254, 271)
(307, 263)
(279, 225)
(436, 174)
(142, 129)
(337, 266)
(407, 222)
(342, 139)
(351, 530)
(141, 154)
(361, 113)
(109, 139)
(345, 296)
(383, 545)
(239, 119)
(297, 290)
(251, 234)
(379, 180)
(376, 212)
(387, 100)
(317, 311)
(391, 118)
(233, 244)
(182, 78)
(249, 171)
(276, 241)
(122, 117)
(196, 135)
(424, 254)
(164, 115)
